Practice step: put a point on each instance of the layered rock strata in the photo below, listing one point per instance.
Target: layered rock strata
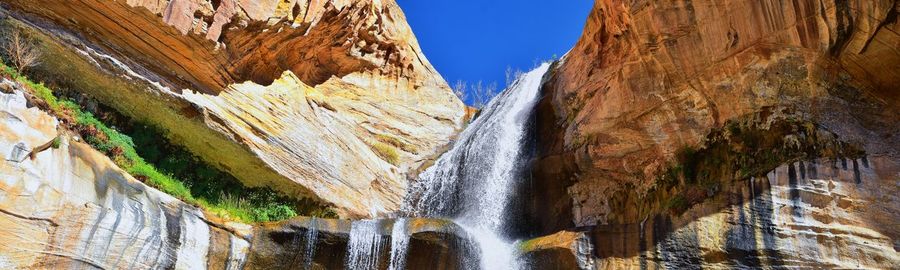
(70, 207)
(325, 99)
(649, 78)
(652, 79)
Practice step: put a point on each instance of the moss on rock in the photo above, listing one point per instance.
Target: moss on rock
(750, 146)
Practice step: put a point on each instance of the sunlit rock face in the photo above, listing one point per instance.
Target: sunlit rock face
(327, 134)
(71, 207)
(650, 77)
(207, 45)
(325, 99)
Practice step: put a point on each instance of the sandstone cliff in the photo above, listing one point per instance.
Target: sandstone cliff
(70, 207)
(651, 77)
(656, 91)
(351, 104)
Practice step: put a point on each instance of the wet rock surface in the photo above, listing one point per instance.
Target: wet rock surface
(809, 214)
(72, 207)
(787, 219)
(309, 243)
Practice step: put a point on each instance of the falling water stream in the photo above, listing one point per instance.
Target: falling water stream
(312, 235)
(474, 182)
(364, 246)
(399, 245)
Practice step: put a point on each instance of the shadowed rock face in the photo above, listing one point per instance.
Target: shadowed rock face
(650, 77)
(304, 243)
(71, 207)
(331, 100)
(809, 214)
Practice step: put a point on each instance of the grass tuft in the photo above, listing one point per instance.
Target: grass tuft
(393, 141)
(387, 152)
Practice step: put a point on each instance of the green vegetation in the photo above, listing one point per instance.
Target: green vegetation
(677, 203)
(55, 143)
(168, 168)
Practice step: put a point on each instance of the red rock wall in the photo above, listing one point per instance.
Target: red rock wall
(650, 77)
(206, 45)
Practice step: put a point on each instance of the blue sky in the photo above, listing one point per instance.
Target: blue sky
(474, 40)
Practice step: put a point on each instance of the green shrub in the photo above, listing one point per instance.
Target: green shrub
(677, 204)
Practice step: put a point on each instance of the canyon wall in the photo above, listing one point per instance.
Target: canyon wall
(331, 100)
(68, 206)
(655, 91)
(650, 77)
(787, 110)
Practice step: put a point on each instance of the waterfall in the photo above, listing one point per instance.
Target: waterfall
(312, 233)
(399, 244)
(364, 246)
(474, 182)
